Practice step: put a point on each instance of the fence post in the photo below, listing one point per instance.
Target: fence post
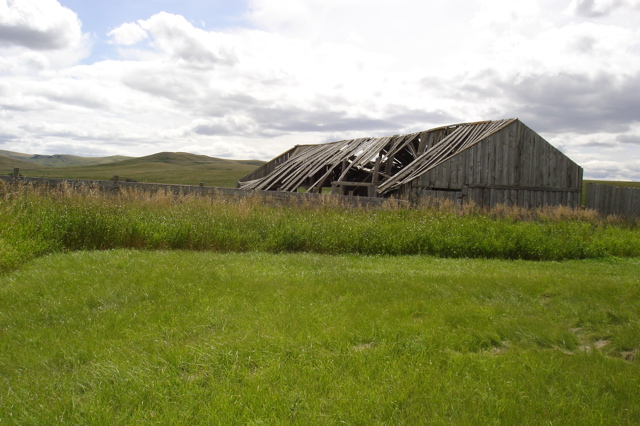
(16, 172)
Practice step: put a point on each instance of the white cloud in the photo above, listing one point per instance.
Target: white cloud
(23, 63)
(128, 34)
(38, 25)
(610, 170)
(237, 125)
(319, 70)
(598, 8)
(175, 36)
(38, 34)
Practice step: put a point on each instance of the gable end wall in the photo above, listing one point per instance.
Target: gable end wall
(514, 166)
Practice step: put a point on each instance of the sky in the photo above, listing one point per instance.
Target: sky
(250, 79)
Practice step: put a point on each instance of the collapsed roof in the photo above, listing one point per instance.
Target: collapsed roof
(377, 166)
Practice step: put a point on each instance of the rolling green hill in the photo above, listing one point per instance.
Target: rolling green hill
(165, 167)
(16, 155)
(7, 164)
(62, 160)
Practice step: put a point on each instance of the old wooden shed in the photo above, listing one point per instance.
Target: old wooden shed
(488, 162)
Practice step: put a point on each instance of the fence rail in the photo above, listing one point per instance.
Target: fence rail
(608, 199)
(215, 192)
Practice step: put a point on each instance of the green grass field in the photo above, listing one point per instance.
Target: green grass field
(163, 309)
(176, 337)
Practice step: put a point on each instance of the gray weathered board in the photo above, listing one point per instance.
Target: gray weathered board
(489, 162)
(268, 197)
(608, 199)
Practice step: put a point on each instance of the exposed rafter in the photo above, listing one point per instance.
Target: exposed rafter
(375, 165)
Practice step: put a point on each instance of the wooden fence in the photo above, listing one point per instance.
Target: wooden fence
(268, 197)
(605, 199)
(608, 199)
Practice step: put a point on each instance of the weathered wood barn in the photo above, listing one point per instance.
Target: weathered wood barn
(488, 162)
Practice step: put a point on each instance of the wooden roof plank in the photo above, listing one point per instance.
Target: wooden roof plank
(427, 160)
(478, 135)
(309, 160)
(308, 166)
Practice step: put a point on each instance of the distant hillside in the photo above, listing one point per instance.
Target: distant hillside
(72, 160)
(7, 164)
(16, 155)
(628, 184)
(185, 158)
(61, 160)
(165, 167)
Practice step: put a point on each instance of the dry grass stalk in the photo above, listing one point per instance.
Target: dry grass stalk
(248, 203)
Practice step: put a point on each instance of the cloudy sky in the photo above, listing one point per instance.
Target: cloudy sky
(251, 78)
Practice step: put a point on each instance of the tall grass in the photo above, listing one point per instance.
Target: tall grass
(34, 222)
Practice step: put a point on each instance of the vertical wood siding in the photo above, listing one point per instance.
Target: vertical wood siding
(514, 166)
(608, 199)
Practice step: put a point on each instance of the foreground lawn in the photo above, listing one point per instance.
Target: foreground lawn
(177, 337)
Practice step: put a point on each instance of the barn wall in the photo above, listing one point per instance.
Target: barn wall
(514, 166)
(491, 197)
